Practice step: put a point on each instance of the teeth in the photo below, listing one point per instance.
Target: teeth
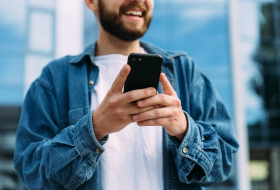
(135, 13)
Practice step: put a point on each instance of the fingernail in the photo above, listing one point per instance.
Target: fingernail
(141, 102)
(135, 117)
(153, 91)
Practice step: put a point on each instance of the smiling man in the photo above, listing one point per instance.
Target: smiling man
(79, 131)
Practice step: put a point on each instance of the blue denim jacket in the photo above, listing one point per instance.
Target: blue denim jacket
(56, 146)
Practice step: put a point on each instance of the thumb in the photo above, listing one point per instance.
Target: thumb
(166, 86)
(121, 78)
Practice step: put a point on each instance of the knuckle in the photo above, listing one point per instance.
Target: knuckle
(176, 112)
(131, 95)
(163, 98)
(157, 112)
(119, 112)
(177, 102)
(147, 92)
(171, 121)
(125, 119)
(112, 103)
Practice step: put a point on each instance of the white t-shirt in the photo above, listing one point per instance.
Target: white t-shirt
(133, 156)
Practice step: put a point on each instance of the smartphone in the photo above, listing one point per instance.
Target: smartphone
(145, 71)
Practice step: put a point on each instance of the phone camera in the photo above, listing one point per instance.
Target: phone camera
(133, 59)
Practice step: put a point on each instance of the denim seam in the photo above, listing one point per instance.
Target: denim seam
(92, 134)
(87, 152)
(76, 118)
(207, 160)
(201, 162)
(78, 109)
(74, 177)
(196, 86)
(185, 168)
(48, 87)
(188, 136)
(80, 144)
(178, 54)
(44, 83)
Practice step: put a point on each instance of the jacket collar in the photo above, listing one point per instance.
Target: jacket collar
(150, 48)
(89, 51)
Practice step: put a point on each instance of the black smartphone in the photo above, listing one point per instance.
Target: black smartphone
(145, 71)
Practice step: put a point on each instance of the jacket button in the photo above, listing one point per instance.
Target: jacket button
(91, 82)
(185, 150)
(98, 151)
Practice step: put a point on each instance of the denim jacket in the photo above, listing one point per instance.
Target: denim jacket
(56, 147)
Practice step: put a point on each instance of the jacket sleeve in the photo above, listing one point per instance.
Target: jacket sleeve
(205, 155)
(47, 155)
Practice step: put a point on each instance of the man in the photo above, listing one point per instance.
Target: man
(79, 131)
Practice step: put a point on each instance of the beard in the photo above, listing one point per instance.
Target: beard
(113, 24)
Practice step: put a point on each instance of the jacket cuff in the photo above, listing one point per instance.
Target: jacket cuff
(190, 155)
(86, 143)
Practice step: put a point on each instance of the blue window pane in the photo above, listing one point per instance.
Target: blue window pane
(11, 95)
(200, 29)
(12, 44)
(11, 79)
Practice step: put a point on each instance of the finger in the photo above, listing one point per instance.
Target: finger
(159, 99)
(121, 78)
(169, 123)
(154, 114)
(166, 86)
(134, 109)
(156, 122)
(135, 95)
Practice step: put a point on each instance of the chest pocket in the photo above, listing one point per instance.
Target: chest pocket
(76, 114)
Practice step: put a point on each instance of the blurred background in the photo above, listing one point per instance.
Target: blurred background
(235, 42)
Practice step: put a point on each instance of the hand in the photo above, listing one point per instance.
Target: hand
(168, 112)
(115, 111)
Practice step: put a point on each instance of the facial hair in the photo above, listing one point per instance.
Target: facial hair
(113, 24)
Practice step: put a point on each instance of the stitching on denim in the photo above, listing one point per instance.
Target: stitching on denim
(177, 54)
(72, 179)
(45, 84)
(77, 109)
(75, 119)
(93, 136)
(49, 87)
(196, 86)
(207, 161)
(82, 145)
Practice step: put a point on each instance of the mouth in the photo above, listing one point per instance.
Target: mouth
(134, 13)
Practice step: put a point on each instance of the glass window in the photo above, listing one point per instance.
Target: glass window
(12, 38)
(201, 29)
(42, 4)
(41, 32)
